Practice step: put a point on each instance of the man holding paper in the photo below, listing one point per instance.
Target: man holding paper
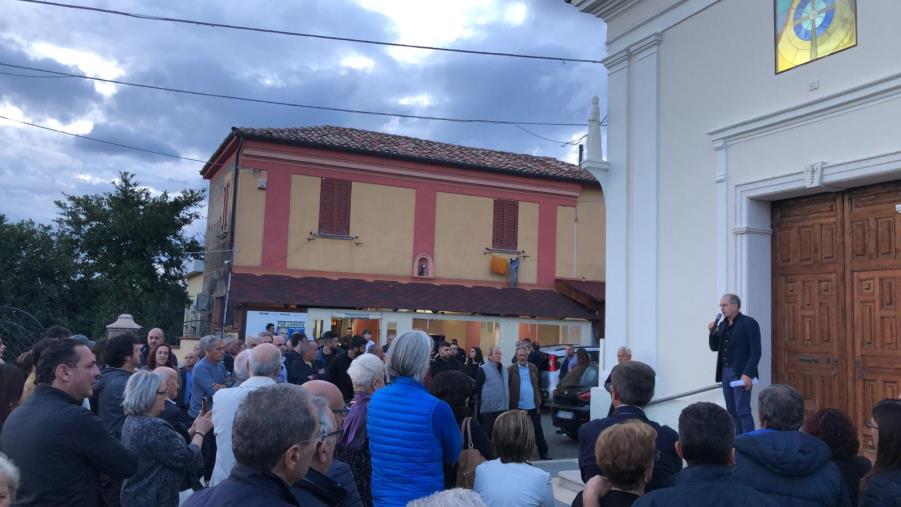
(737, 341)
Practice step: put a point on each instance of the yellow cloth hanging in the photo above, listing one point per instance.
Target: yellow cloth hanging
(499, 265)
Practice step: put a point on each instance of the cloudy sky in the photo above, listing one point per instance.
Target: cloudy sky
(37, 167)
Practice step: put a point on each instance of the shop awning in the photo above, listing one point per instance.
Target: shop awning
(588, 293)
(316, 292)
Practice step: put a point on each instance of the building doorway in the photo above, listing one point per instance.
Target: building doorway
(836, 262)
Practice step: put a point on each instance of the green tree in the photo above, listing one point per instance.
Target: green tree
(36, 270)
(130, 249)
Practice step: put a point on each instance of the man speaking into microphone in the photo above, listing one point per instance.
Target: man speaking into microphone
(737, 341)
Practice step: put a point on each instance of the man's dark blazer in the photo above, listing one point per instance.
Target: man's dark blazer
(745, 346)
(182, 387)
(666, 464)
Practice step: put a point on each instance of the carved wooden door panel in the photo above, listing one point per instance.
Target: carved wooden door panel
(809, 335)
(874, 263)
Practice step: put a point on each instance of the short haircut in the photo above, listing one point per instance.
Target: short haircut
(625, 350)
(208, 342)
(366, 332)
(634, 382)
(734, 299)
(409, 356)
(268, 368)
(444, 344)
(140, 392)
(625, 451)
(513, 436)
(58, 352)
(269, 420)
(242, 365)
(364, 370)
(328, 335)
(119, 349)
(325, 416)
(297, 338)
(358, 341)
(57, 332)
(269, 325)
(454, 388)
(457, 497)
(252, 341)
(706, 434)
(781, 408)
(10, 474)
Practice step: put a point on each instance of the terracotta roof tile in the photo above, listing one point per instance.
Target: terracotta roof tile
(351, 293)
(411, 148)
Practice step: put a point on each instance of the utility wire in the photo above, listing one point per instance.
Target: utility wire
(291, 104)
(28, 75)
(212, 24)
(104, 141)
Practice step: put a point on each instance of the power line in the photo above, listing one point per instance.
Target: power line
(212, 24)
(104, 141)
(292, 104)
(28, 75)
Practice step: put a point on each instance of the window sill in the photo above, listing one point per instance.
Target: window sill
(325, 235)
(504, 251)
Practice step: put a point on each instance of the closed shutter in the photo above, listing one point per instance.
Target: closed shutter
(506, 223)
(334, 207)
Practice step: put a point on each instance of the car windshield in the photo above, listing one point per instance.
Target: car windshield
(590, 377)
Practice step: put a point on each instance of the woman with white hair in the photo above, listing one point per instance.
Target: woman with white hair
(367, 373)
(164, 459)
(412, 434)
(9, 481)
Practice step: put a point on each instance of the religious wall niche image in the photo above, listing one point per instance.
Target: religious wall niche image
(807, 30)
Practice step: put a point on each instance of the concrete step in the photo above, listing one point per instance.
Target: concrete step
(571, 480)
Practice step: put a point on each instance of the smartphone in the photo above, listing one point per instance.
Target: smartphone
(204, 405)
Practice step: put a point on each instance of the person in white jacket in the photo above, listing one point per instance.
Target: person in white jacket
(265, 360)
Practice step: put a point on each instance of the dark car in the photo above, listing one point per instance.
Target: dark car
(570, 409)
(554, 359)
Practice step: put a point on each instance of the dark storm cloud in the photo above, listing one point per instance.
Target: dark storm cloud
(277, 68)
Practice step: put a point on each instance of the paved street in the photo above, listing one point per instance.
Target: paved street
(560, 446)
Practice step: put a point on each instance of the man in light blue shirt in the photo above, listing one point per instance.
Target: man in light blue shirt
(525, 395)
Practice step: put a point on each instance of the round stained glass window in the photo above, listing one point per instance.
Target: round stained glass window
(813, 15)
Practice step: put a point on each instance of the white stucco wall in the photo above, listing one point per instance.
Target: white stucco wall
(715, 72)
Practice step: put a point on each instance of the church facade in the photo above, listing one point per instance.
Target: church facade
(753, 148)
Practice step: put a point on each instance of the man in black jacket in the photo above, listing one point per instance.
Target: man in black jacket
(122, 357)
(337, 369)
(737, 341)
(706, 440)
(60, 448)
(632, 389)
(302, 364)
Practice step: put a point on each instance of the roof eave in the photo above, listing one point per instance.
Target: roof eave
(462, 165)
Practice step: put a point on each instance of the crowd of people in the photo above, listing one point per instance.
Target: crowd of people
(343, 421)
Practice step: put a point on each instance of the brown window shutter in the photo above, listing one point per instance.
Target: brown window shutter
(326, 207)
(334, 207)
(342, 207)
(506, 218)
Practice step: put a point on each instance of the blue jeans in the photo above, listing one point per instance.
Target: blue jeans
(738, 402)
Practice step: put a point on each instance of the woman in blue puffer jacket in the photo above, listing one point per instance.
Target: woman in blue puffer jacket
(412, 434)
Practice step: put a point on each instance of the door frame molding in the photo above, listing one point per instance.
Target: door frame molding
(751, 269)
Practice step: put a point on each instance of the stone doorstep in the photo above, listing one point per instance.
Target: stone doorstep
(562, 494)
(571, 480)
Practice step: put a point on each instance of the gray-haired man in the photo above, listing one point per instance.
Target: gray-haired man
(274, 437)
(493, 389)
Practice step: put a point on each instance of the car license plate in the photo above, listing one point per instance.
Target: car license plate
(565, 414)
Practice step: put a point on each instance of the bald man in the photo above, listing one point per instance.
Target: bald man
(172, 413)
(155, 337)
(337, 471)
(265, 360)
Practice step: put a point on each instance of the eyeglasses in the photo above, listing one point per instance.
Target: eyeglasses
(325, 436)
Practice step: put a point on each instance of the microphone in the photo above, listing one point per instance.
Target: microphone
(716, 323)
